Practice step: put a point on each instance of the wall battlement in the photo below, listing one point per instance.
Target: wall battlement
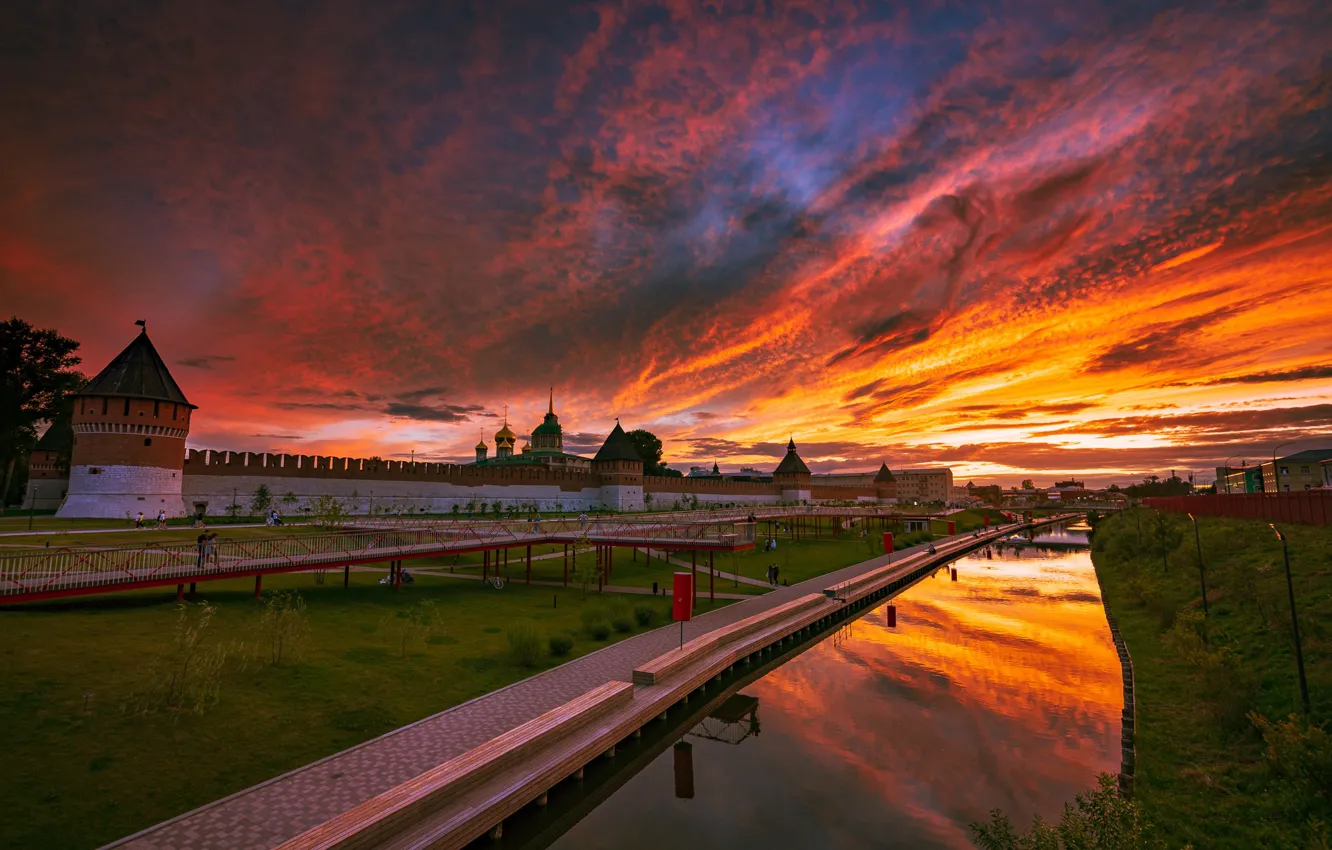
(226, 463)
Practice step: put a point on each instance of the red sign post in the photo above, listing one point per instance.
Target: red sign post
(682, 600)
(887, 543)
(952, 528)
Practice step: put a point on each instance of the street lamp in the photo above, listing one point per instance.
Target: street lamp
(1202, 579)
(1294, 622)
(1276, 478)
(1228, 460)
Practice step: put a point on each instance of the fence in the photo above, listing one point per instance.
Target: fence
(1305, 507)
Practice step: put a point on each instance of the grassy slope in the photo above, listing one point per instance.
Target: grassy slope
(1201, 773)
(72, 779)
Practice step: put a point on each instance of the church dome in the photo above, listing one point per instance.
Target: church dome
(481, 445)
(505, 434)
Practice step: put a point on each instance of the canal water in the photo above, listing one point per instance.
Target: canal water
(998, 689)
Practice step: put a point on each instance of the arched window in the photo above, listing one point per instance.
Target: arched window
(147, 441)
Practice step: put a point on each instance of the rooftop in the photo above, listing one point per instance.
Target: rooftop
(137, 372)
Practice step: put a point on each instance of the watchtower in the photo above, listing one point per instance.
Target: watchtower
(792, 476)
(620, 470)
(130, 425)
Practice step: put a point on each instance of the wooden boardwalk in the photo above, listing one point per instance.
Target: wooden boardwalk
(281, 809)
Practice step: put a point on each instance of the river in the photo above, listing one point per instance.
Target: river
(998, 689)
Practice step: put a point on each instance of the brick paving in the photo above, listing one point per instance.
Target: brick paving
(267, 814)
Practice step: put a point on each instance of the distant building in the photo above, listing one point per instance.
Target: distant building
(48, 468)
(1300, 471)
(913, 485)
(1239, 479)
(1327, 473)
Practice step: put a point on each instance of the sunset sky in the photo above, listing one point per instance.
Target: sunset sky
(1020, 240)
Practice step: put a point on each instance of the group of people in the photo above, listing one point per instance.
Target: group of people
(773, 572)
(161, 519)
(206, 543)
(770, 545)
(273, 517)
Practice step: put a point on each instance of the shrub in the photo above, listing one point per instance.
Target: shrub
(592, 614)
(1099, 818)
(284, 625)
(524, 643)
(644, 615)
(623, 624)
(1299, 752)
(560, 644)
(186, 675)
(599, 629)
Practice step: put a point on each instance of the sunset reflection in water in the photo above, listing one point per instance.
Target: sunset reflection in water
(1001, 689)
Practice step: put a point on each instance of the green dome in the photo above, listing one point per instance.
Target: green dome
(550, 426)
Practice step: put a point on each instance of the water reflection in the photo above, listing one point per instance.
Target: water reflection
(999, 689)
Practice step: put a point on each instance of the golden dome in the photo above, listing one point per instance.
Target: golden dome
(481, 446)
(504, 434)
(527, 447)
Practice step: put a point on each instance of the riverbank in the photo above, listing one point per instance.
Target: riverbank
(1212, 769)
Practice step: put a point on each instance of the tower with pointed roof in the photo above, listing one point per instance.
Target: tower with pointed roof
(885, 485)
(620, 470)
(548, 436)
(792, 476)
(130, 425)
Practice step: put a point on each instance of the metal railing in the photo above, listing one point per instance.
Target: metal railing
(48, 571)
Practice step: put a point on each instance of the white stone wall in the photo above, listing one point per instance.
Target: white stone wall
(622, 498)
(44, 494)
(796, 496)
(405, 497)
(118, 491)
(665, 500)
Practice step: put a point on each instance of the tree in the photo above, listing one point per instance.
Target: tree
(36, 378)
(648, 446)
(261, 501)
(1028, 484)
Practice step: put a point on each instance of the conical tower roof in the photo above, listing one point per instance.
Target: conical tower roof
(791, 464)
(618, 446)
(137, 372)
(885, 475)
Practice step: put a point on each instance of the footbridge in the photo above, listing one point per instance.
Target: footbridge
(48, 573)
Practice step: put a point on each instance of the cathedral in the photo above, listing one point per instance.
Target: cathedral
(546, 447)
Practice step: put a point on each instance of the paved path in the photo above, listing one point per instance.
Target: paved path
(267, 814)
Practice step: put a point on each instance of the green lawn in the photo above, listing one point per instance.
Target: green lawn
(1201, 770)
(77, 779)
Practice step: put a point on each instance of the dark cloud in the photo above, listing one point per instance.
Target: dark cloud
(205, 362)
(1304, 373)
(279, 436)
(432, 413)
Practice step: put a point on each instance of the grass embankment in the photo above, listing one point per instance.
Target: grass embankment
(1205, 774)
(76, 778)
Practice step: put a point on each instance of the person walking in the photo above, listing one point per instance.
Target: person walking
(202, 543)
(138, 520)
(161, 518)
(210, 549)
(776, 573)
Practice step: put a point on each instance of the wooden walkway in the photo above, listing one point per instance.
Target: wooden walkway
(276, 811)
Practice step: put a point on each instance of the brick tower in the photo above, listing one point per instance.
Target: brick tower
(130, 425)
(792, 476)
(620, 469)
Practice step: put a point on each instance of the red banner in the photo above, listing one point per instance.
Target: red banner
(682, 602)
(887, 543)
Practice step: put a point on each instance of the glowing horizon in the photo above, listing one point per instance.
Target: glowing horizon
(1088, 241)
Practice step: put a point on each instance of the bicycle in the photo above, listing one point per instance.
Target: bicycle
(496, 582)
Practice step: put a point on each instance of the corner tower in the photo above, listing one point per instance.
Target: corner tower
(792, 476)
(620, 470)
(130, 425)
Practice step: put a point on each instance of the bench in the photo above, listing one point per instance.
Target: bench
(378, 819)
(658, 669)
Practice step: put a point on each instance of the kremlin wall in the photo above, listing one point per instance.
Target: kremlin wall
(128, 455)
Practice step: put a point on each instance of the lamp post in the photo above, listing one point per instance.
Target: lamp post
(1276, 477)
(1202, 579)
(1294, 623)
(1228, 460)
